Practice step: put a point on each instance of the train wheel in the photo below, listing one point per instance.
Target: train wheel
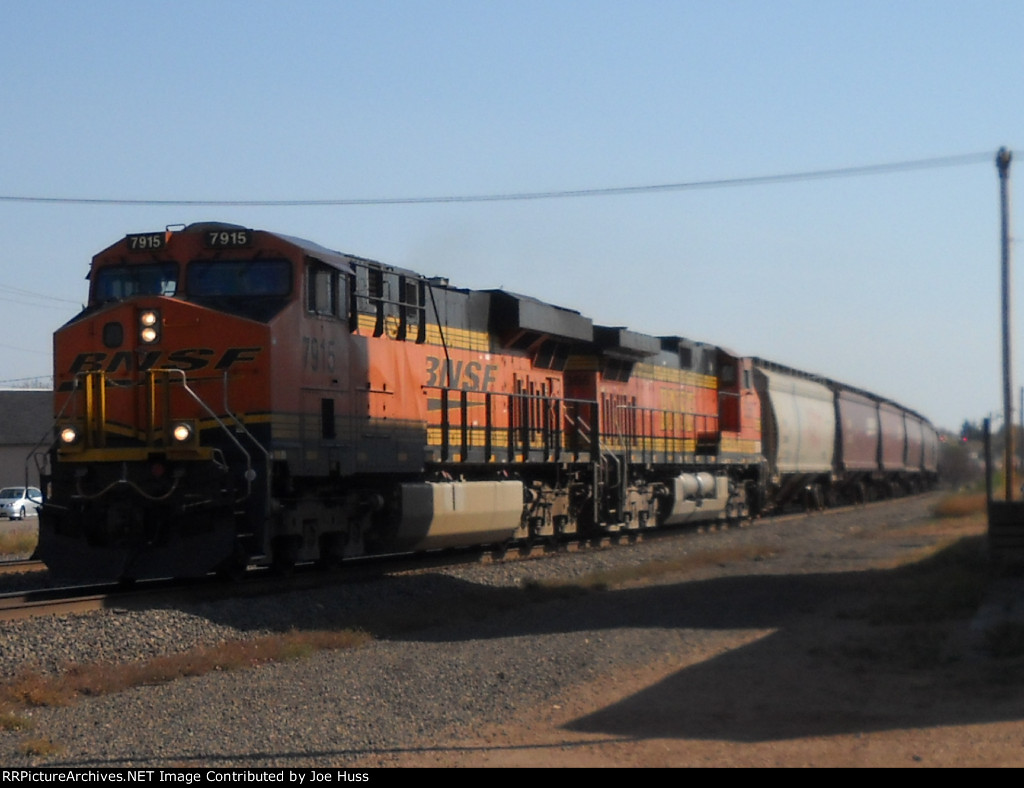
(286, 554)
(813, 498)
(332, 552)
(235, 567)
(754, 501)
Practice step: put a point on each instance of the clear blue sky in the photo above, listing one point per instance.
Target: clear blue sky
(888, 282)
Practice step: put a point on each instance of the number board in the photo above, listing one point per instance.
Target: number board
(146, 242)
(228, 239)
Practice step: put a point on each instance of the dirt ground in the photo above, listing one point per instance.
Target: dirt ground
(654, 719)
(825, 688)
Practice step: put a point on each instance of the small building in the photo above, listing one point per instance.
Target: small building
(26, 424)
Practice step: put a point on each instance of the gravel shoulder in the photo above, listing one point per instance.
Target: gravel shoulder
(760, 656)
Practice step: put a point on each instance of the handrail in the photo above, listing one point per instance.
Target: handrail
(34, 451)
(250, 474)
(240, 423)
(520, 430)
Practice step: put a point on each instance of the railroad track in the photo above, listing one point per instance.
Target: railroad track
(21, 565)
(88, 598)
(80, 599)
(50, 602)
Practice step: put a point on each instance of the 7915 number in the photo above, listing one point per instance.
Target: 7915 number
(144, 242)
(228, 239)
(317, 354)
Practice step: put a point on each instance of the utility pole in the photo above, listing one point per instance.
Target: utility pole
(1003, 158)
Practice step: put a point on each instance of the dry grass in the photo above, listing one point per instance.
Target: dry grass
(961, 505)
(18, 539)
(654, 570)
(938, 533)
(35, 689)
(10, 720)
(40, 748)
(910, 605)
(32, 689)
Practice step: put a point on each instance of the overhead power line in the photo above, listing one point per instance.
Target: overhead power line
(757, 180)
(18, 295)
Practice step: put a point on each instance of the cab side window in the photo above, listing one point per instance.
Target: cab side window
(326, 291)
(390, 303)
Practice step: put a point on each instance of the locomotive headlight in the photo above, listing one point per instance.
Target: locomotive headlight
(70, 439)
(183, 434)
(149, 326)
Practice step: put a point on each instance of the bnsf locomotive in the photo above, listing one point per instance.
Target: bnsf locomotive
(232, 397)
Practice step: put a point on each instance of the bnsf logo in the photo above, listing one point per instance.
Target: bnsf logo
(186, 359)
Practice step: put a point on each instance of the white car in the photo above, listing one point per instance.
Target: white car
(18, 502)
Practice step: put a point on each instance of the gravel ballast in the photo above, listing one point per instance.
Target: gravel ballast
(405, 693)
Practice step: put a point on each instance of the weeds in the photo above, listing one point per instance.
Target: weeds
(652, 570)
(41, 748)
(18, 540)
(961, 505)
(12, 721)
(916, 599)
(35, 689)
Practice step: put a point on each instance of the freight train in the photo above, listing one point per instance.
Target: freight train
(233, 397)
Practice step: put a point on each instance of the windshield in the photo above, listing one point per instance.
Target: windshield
(10, 492)
(239, 278)
(125, 281)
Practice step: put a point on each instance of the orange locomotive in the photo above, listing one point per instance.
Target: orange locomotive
(232, 397)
